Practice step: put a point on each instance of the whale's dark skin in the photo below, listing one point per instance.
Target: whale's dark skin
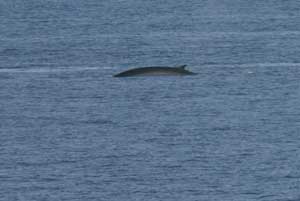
(156, 70)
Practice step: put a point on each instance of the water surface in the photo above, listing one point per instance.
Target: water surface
(70, 131)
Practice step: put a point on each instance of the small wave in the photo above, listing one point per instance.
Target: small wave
(252, 65)
(49, 70)
(257, 33)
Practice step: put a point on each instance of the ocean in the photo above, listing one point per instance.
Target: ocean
(69, 130)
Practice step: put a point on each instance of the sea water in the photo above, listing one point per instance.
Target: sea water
(70, 131)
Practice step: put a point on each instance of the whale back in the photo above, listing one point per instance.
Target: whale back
(182, 66)
(155, 70)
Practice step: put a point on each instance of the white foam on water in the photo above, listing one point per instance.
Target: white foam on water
(74, 69)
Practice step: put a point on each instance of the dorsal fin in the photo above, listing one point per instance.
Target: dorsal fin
(182, 66)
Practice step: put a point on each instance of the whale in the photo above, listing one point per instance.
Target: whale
(156, 71)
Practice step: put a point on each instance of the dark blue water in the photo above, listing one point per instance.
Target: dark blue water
(70, 131)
